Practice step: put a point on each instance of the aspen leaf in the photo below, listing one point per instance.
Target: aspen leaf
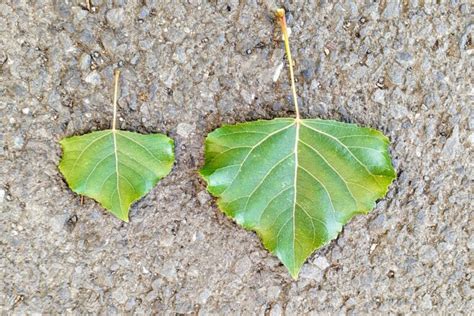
(114, 167)
(293, 181)
(296, 182)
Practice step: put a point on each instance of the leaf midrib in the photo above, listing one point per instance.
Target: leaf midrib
(114, 132)
(295, 180)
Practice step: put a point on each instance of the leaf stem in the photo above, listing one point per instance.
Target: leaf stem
(280, 14)
(116, 88)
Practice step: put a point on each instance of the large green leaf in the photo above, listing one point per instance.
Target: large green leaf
(296, 182)
(116, 168)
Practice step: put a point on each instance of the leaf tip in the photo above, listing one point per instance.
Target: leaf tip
(123, 218)
(294, 274)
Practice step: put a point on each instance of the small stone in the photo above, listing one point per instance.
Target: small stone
(379, 96)
(428, 254)
(18, 142)
(405, 58)
(242, 266)
(151, 296)
(426, 302)
(64, 294)
(372, 248)
(321, 262)
(108, 41)
(80, 15)
(247, 96)
(308, 74)
(135, 59)
(115, 17)
(392, 10)
(309, 271)
(396, 75)
(169, 270)
(25, 111)
(322, 296)
(85, 62)
(203, 197)
(93, 78)
(120, 296)
(157, 284)
(277, 72)
(452, 145)
(277, 106)
(144, 12)
(2, 196)
(276, 310)
(204, 295)
(470, 242)
(470, 139)
(56, 223)
(130, 304)
(54, 100)
(273, 292)
(185, 129)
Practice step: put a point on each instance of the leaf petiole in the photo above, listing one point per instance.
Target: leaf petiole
(116, 88)
(280, 14)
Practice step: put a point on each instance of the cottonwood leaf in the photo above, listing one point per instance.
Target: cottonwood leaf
(296, 182)
(114, 167)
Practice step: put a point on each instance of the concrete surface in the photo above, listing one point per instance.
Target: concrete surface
(188, 67)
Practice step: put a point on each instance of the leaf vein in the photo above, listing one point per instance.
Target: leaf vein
(265, 177)
(250, 151)
(324, 187)
(93, 169)
(137, 143)
(270, 202)
(333, 168)
(87, 147)
(344, 146)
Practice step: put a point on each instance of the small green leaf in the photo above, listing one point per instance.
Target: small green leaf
(116, 168)
(296, 182)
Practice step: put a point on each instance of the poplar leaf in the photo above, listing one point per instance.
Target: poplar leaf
(114, 167)
(296, 182)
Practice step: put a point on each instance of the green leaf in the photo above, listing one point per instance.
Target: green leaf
(116, 168)
(296, 182)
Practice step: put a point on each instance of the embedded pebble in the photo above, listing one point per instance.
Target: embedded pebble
(243, 265)
(18, 142)
(93, 78)
(321, 262)
(184, 129)
(120, 296)
(452, 145)
(115, 17)
(379, 96)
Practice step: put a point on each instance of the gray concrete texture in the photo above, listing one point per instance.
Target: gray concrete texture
(189, 67)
